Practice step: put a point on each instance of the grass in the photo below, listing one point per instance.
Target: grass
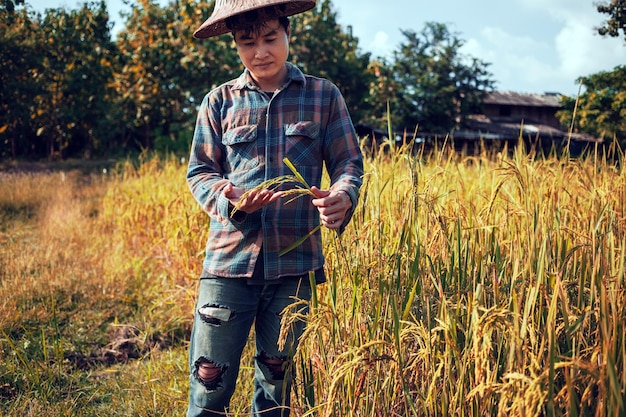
(469, 285)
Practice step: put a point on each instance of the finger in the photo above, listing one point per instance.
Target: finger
(319, 193)
(275, 196)
(228, 190)
(260, 199)
(333, 224)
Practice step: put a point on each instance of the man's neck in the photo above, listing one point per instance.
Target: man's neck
(274, 84)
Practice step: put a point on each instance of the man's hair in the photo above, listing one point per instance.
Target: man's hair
(254, 21)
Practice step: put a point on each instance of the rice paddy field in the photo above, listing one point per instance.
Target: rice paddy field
(489, 284)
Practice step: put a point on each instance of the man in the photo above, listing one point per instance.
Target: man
(245, 130)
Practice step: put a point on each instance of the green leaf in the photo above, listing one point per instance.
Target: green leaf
(299, 241)
(296, 173)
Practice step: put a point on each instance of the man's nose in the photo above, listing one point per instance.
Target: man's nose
(261, 52)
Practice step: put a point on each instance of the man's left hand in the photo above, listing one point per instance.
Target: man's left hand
(332, 205)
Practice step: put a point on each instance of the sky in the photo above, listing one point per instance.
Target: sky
(531, 46)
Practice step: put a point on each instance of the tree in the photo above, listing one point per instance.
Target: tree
(437, 86)
(21, 61)
(601, 109)
(382, 91)
(76, 71)
(54, 71)
(164, 73)
(9, 5)
(617, 18)
(320, 47)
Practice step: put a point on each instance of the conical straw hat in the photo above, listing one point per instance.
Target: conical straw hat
(216, 24)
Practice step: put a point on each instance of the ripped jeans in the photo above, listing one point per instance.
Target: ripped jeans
(225, 311)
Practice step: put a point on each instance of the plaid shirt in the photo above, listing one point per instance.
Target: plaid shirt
(242, 135)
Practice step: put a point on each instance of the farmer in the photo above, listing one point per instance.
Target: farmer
(245, 129)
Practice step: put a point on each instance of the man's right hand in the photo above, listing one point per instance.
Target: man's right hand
(253, 201)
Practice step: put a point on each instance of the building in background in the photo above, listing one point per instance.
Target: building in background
(507, 118)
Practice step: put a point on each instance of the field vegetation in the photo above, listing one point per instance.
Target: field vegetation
(466, 285)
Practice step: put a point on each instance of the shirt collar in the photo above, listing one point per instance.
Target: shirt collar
(245, 79)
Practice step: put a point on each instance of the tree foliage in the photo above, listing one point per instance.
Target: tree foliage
(68, 88)
(57, 71)
(601, 109)
(9, 5)
(18, 68)
(320, 46)
(382, 92)
(616, 22)
(77, 71)
(433, 85)
(164, 72)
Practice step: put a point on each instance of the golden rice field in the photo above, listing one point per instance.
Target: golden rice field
(486, 285)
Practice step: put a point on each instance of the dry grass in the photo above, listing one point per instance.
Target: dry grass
(466, 285)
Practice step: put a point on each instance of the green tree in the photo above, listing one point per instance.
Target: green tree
(9, 5)
(383, 89)
(164, 73)
(435, 86)
(55, 72)
(78, 71)
(21, 61)
(601, 109)
(616, 22)
(319, 46)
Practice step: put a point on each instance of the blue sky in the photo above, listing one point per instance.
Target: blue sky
(533, 46)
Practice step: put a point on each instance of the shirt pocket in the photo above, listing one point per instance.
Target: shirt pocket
(303, 143)
(241, 148)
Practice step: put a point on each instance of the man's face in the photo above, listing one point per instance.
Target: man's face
(264, 53)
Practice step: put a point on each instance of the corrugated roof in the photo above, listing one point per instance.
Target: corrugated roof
(511, 128)
(522, 99)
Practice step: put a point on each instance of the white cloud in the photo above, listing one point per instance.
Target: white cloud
(559, 8)
(516, 62)
(505, 41)
(551, 55)
(381, 45)
(582, 51)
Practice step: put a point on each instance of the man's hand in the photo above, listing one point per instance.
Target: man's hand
(332, 205)
(253, 201)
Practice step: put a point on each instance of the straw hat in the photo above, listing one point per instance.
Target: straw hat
(216, 24)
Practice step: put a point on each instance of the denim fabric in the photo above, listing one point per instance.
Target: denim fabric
(225, 311)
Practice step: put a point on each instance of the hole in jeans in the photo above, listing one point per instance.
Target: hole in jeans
(209, 373)
(215, 314)
(276, 365)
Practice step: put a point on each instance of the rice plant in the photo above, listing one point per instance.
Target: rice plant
(474, 286)
(469, 285)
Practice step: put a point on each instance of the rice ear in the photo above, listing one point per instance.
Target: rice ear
(301, 188)
(265, 185)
